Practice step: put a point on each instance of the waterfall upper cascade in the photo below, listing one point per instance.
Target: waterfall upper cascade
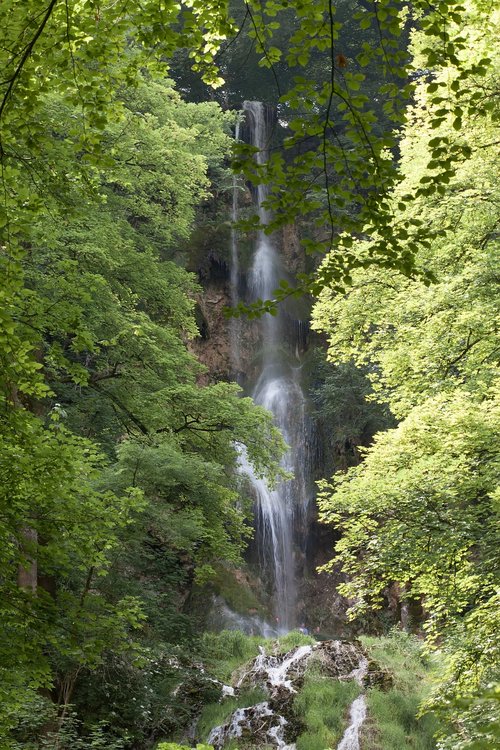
(235, 325)
(279, 511)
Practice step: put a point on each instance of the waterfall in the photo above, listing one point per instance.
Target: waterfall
(235, 324)
(280, 510)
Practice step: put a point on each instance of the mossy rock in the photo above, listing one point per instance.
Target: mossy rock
(382, 679)
(237, 588)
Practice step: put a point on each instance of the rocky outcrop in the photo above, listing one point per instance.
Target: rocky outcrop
(278, 673)
(259, 724)
(292, 250)
(213, 347)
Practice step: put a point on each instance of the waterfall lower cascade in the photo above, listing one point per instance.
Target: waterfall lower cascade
(281, 675)
(357, 712)
(279, 511)
(350, 740)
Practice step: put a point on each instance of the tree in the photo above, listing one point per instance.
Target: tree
(347, 416)
(48, 483)
(421, 509)
(89, 541)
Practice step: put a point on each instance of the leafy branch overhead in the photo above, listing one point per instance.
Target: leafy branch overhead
(340, 163)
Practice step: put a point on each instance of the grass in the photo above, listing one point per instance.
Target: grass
(393, 716)
(323, 707)
(291, 640)
(228, 650)
(393, 722)
(402, 654)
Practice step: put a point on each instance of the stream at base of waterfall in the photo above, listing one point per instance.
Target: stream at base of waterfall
(281, 676)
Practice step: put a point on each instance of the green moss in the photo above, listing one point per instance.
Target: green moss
(236, 589)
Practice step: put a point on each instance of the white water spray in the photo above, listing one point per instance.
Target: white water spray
(350, 740)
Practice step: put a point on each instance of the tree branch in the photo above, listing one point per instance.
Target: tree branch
(27, 53)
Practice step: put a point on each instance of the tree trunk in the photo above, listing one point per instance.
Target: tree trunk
(27, 574)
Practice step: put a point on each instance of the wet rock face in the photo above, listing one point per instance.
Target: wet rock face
(279, 675)
(259, 724)
(377, 677)
(339, 658)
(213, 346)
(292, 249)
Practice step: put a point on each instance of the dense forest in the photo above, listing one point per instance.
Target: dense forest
(249, 395)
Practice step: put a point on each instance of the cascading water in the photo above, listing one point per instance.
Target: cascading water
(267, 724)
(279, 511)
(235, 324)
(357, 715)
(358, 710)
